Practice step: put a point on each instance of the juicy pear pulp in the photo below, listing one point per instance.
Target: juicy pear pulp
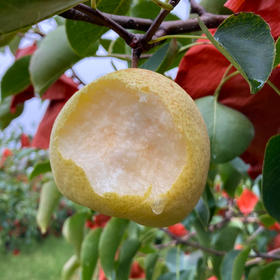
(125, 142)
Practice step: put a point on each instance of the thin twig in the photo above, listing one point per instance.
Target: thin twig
(107, 21)
(196, 8)
(76, 76)
(180, 240)
(258, 257)
(157, 22)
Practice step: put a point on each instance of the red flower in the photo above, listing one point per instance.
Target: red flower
(269, 10)
(178, 230)
(5, 154)
(213, 278)
(24, 140)
(58, 93)
(90, 224)
(200, 72)
(275, 243)
(137, 271)
(247, 202)
(99, 220)
(16, 252)
(102, 275)
(275, 226)
(238, 247)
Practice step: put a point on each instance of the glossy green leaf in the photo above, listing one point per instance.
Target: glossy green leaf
(13, 45)
(109, 243)
(202, 212)
(150, 263)
(16, 78)
(49, 199)
(230, 132)
(148, 9)
(233, 264)
(89, 253)
(177, 260)
(230, 177)
(271, 178)
(5, 114)
(245, 40)
(277, 55)
(16, 14)
(215, 7)
(267, 220)
(51, 60)
(83, 36)
(70, 268)
(162, 58)
(40, 168)
(73, 230)
(264, 272)
(6, 38)
(224, 241)
(127, 252)
(209, 199)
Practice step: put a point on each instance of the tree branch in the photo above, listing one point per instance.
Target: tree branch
(196, 8)
(141, 24)
(106, 21)
(157, 22)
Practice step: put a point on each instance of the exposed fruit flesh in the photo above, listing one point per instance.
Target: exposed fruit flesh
(126, 143)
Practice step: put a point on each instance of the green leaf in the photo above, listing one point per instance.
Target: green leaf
(109, 243)
(215, 7)
(233, 264)
(127, 252)
(40, 168)
(51, 60)
(230, 177)
(150, 263)
(83, 36)
(5, 114)
(89, 253)
(6, 38)
(49, 199)
(16, 14)
(245, 40)
(13, 45)
(277, 55)
(162, 58)
(224, 241)
(148, 9)
(202, 212)
(16, 78)
(73, 230)
(271, 178)
(177, 260)
(267, 220)
(264, 272)
(70, 268)
(230, 132)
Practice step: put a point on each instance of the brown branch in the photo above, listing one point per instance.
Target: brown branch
(106, 21)
(180, 240)
(158, 21)
(196, 8)
(141, 24)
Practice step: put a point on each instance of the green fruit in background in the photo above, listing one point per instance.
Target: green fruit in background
(215, 7)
